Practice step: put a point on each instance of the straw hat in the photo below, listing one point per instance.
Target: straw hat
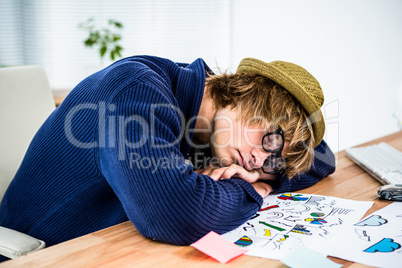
(295, 79)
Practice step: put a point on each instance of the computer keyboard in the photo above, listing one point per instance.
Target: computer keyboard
(381, 161)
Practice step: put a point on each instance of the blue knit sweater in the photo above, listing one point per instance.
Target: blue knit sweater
(85, 167)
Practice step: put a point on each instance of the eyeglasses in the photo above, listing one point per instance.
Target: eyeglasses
(273, 142)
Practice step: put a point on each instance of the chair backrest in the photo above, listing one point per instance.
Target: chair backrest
(25, 102)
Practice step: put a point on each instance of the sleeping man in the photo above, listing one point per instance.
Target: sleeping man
(172, 147)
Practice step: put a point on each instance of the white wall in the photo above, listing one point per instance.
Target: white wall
(353, 48)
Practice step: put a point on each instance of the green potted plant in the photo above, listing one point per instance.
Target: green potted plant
(106, 39)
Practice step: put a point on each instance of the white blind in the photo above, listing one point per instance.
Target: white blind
(11, 37)
(45, 32)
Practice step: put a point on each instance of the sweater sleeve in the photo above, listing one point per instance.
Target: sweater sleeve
(323, 165)
(162, 196)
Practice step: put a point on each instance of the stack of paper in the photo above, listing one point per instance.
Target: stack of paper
(291, 220)
(299, 224)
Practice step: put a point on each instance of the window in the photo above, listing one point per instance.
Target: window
(45, 33)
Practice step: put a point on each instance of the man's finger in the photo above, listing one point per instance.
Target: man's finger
(240, 172)
(216, 174)
(250, 176)
(207, 170)
(230, 171)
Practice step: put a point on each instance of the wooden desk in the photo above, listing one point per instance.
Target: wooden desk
(123, 246)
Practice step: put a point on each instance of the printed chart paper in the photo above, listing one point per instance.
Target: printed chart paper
(291, 220)
(375, 240)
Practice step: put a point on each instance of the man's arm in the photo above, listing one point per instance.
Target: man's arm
(161, 195)
(323, 165)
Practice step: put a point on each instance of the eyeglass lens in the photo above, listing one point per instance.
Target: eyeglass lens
(273, 142)
(274, 164)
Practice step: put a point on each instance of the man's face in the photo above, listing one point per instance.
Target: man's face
(237, 142)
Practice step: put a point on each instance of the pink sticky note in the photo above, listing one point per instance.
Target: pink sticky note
(218, 247)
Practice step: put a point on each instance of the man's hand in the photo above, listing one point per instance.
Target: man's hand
(219, 173)
(262, 188)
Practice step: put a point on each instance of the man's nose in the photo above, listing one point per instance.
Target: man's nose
(258, 157)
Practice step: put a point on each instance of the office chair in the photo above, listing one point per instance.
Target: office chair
(25, 102)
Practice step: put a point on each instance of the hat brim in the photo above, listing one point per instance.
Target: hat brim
(274, 73)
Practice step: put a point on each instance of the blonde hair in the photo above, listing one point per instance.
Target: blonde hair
(262, 101)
